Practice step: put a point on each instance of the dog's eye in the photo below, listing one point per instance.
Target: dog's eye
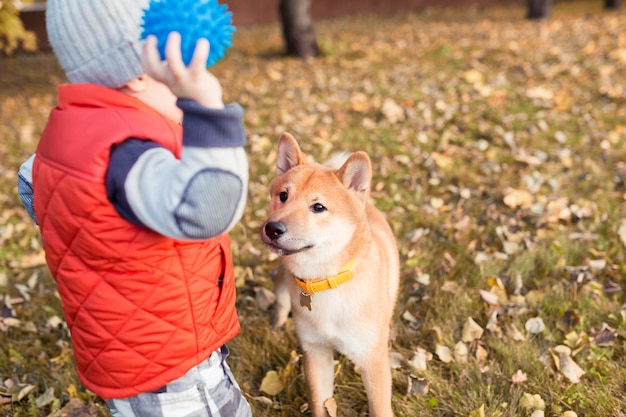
(317, 208)
(282, 196)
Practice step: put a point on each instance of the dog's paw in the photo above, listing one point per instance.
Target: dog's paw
(279, 317)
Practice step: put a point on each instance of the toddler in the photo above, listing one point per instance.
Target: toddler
(138, 177)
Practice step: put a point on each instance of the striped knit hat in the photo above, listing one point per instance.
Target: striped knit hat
(97, 41)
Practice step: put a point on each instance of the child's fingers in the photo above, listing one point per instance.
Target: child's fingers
(200, 56)
(150, 58)
(174, 55)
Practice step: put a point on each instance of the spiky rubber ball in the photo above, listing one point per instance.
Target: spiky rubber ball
(193, 19)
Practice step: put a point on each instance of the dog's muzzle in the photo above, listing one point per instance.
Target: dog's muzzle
(272, 232)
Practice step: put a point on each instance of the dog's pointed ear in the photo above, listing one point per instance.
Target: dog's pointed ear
(289, 154)
(356, 174)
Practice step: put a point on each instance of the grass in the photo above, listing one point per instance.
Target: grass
(441, 174)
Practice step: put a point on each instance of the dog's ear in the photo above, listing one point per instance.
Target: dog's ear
(289, 154)
(356, 174)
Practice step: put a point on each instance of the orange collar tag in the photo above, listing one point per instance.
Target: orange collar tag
(313, 286)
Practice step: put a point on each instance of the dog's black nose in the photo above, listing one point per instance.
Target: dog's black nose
(274, 230)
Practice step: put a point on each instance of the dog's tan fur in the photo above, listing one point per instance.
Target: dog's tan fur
(325, 221)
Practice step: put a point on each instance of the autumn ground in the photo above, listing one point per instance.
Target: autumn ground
(499, 148)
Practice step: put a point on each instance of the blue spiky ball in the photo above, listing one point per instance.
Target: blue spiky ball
(193, 19)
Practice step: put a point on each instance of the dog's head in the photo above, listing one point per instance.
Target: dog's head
(315, 210)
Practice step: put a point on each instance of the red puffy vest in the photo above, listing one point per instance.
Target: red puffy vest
(142, 308)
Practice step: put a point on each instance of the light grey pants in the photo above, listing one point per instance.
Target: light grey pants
(207, 390)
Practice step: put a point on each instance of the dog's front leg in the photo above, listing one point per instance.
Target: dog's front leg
(376, 376)
(319, 373)
(282, 307)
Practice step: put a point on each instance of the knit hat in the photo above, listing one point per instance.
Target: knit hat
(97, 41)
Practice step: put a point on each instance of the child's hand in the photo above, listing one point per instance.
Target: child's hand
(193, 82)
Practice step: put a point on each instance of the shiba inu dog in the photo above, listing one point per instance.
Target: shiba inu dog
(338, 270)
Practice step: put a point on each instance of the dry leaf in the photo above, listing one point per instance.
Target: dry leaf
(274, 74)
(33, 260)
(331, 407)
(420, 359)
(417, 234)
(461, 352)
(480, 412)
(77, 408)
(515, 198)
(294, 360)
(532, 402)
(534, 325)
(436, 203)
(423, 279)
(516, 334)
(489, 297)
(524, 157)
(511, 248)
(519, 377)
(450, 286)
(471, 331)
(396, 360)
(473, 76)
(10, 322)
(565, 364)
(439, 333)
(409, 317)
(392, 111)
(267, 402)
(606, 336)
(33, 280)
(271, 383)
(19, 391)
(71, 389)
(45, 398)
(621, 232)
(24, 291)
(492, 324)
(541, 93)
(574, 339)
(481, 353)
(417, 386)
(495, 284)
(360, 103)
(443, 353)
(54, 322)
(443, 161)
(580, 274)
(481, 258)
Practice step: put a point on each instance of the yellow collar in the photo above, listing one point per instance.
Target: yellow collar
(312, 286)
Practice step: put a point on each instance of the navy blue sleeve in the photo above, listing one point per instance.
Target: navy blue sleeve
(225, 129)
(122, 159)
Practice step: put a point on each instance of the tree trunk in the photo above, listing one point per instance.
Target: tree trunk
(612, 4)
(540, 9)
(298, 31)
